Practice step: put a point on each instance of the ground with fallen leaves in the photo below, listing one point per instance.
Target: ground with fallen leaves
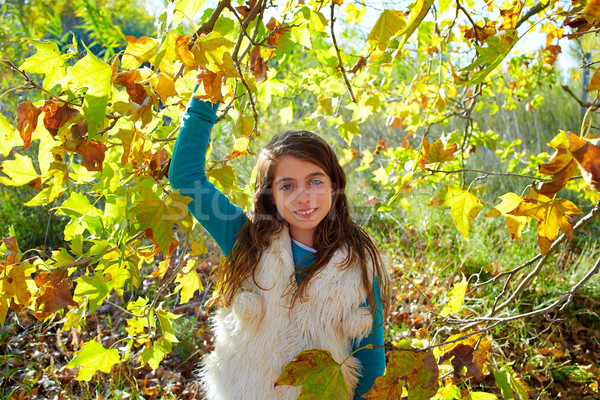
(557, 358)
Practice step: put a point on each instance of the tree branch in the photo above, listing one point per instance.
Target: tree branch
(581, 102)
(591, 215)
(563, 301)
(531, 12)
(339, 55)
(458, 171)
(32, 85)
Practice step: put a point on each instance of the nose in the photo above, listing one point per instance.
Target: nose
(303, 196)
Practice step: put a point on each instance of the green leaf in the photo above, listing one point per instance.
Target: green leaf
(301, 35)
(93, 288)
(491, 56)
(47, 61)
(20, 171)
(463, 206)
(212, 50)
(224, 175)
(389, 23)
(183, 9)
(155, 354)
(160, 216)
(443, 5)
(319, 375)
(168, 332)
(502, 378)
(95, 74)
(94, 357)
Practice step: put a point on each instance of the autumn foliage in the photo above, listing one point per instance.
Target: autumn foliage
(98, 144)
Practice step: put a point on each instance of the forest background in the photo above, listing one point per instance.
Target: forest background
(472, 157)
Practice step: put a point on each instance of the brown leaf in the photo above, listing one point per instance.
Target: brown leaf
(129, 79)
(79, 130)
(359, 64)
(13, 250)
(561, 166)
(257, 65)
(511, 15)
(587, 156)
(56, 292)
(246, 8)
(463, 357)
(559, 179)
(209, 85)
(36, 183)
(275, 32)
(158, 162)
(92, 154)
(27, 116)
(552, 54)
(594, 82)
(55, 117)
(183, 52)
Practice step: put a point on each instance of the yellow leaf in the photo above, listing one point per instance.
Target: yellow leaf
(240, 147)
(20, 171)
(515, 224)
(138, 51)
(551, 216)
(456, 299)
(387, 25)
(189, 282)
(463, 206)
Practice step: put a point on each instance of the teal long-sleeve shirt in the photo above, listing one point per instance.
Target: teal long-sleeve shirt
(223, 220)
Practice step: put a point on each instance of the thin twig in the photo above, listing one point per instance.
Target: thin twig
(252, 104)
(563, 301)
(457, 171)
(33, 85)
(581, 102)
(339, 55)
(257, 7)
(581, 33)
(591, 215)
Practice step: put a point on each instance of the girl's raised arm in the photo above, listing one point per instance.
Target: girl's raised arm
(211, 208)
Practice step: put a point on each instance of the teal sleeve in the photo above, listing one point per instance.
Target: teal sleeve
(211, 208)
(371, 360)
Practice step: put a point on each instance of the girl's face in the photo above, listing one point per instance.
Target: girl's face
(303, 194)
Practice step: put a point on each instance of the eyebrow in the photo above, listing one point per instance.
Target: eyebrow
(280, 180)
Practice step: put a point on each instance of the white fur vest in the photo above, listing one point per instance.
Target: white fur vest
(259, 334)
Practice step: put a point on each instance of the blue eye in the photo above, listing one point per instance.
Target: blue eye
(316, 182)
(287, 186)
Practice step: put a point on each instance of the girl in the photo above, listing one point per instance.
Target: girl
(298, 274)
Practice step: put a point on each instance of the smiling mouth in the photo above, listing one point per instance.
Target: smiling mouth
(306, 212)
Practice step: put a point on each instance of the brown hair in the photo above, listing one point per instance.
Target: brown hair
(337, 230)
